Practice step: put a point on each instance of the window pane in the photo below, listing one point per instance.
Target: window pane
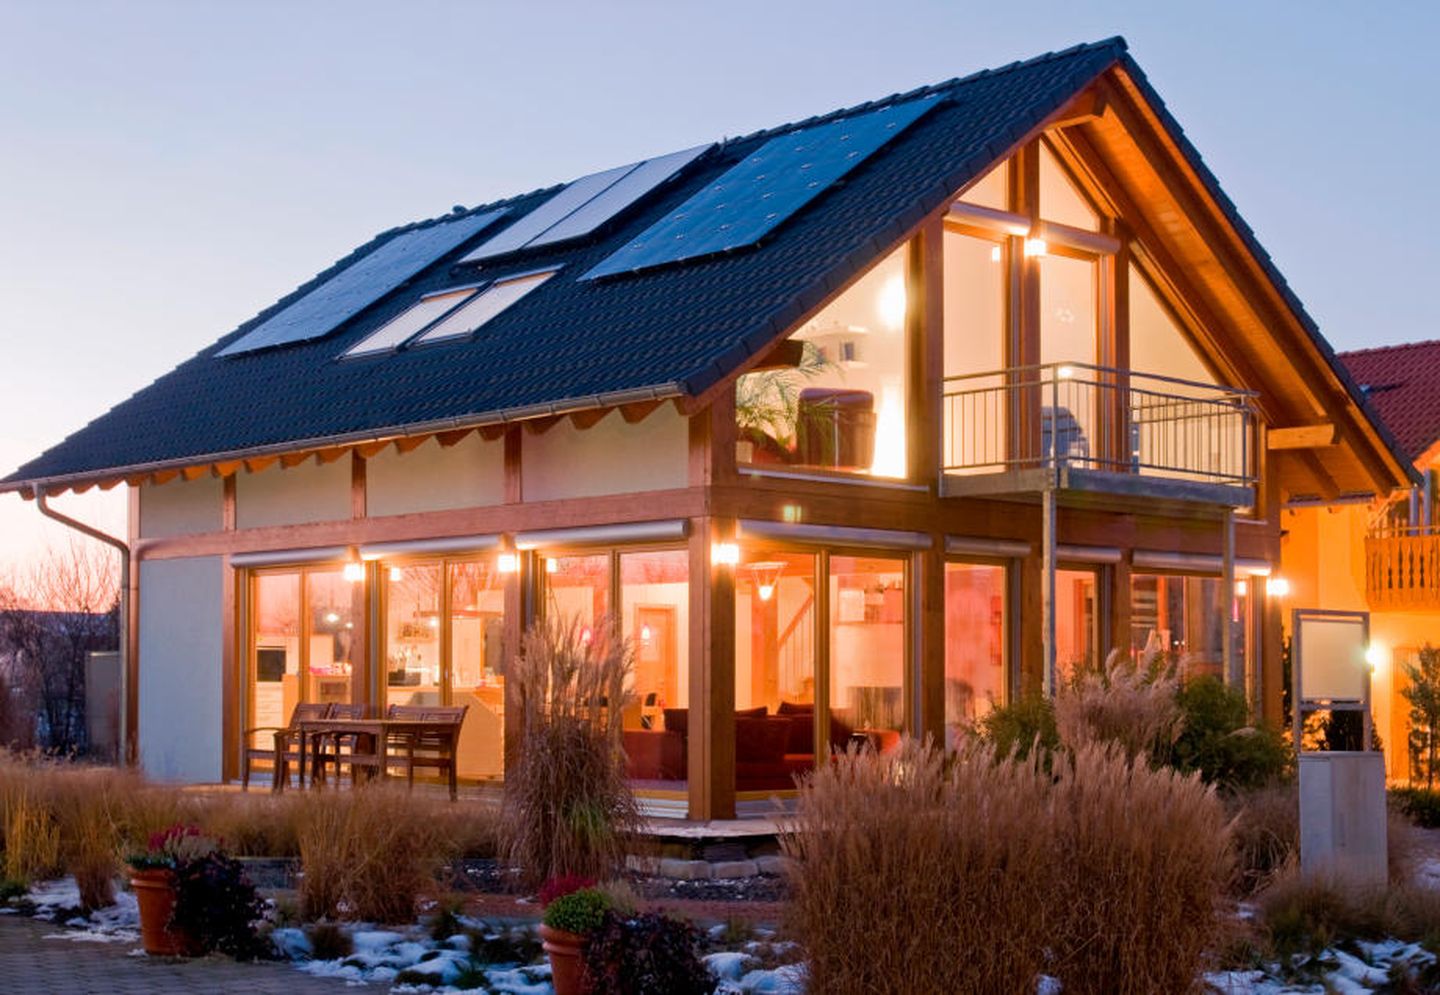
(1059, 199)
(1068, 318)
(407, 323)
(1076, 622)
(1157, 343)
(337, 618)
(655, 613)
(578, 587)
(477, 631)
(1182, 620)
(495, 298)
(974, 644)
(275, 670)
(841, 402)
(974, 344)
(867, 649)
(775, 637)
(412, 634)
(992, 189)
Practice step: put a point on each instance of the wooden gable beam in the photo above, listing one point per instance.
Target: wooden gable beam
(1087, 106)
(1302, 437)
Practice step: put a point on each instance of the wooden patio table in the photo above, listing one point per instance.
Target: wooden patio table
(378, 731)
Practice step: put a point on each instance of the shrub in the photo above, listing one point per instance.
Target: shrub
(1019, 727)
(902, 860)
(1218, 740)
(1303, 915)
(216, 905)
(563, 885)
(329, 941)
(1130, 705)
(1143, 863)
(648, 954)
(1420, 805)
(578, 912)
(368, 853)
(568, 805)
(1265, 826)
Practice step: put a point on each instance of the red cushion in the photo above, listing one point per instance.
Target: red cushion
(796, 708)
(758, 712)
(761, 740)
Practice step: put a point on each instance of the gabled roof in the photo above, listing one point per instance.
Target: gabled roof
(670, 332)
(1402, 383)
(573, 344)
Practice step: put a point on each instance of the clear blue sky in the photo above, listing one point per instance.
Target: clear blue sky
(168, 169)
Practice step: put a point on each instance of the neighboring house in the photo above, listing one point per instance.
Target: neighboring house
(857, 425)
(1381, 555)
(42, 675)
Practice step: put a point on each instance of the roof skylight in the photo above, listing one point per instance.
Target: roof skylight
(404, 325)
(496, 298)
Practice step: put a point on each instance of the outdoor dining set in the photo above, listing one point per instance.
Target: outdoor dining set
(322, 736)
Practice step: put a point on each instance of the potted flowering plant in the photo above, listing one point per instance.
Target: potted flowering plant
(570, 917)
(152, 876)
(193, 898)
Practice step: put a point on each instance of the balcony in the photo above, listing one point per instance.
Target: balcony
(1079, 428)
(1402, 568)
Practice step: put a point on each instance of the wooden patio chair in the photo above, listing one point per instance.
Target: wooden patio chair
(343, 748)
(434, 749)
(285, 745)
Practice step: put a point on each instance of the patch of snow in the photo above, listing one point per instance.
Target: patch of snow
(729, 965)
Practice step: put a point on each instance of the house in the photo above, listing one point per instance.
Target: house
(1381, 553)
(857, 425)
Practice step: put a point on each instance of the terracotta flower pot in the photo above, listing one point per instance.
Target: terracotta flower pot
(567, 960)
(155, 894)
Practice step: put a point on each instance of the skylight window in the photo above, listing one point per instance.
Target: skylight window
(496, 298)
(400, 328)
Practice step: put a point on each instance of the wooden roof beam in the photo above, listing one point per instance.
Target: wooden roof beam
(1302, 437)
(588, 418)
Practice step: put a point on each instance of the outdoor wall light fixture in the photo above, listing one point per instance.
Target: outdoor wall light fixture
(1375, 656)
(508, 563)
(725, 554)
(354, 571)
(1277, 587)
(1036, 247)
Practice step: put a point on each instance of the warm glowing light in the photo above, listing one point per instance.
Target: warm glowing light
(354, 571)
(724, 554)
(508, 563)
(1065, 372)
(551, 566)
(766, 575)
(332, 617)
(891, 303)
(766, 591)
(586, 635)
(396, 574)
(1376, 655)
(1242, 588)
(646, 634)
(349, 625)
(1277, 587)
(434, 623)
(792, 513)
(995, 253)
(889, 458)
(1036, 247)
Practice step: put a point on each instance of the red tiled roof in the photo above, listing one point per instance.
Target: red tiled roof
(1403, 385)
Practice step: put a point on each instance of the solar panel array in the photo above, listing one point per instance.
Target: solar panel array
(361, 284)
(586, 204)
(749, 200)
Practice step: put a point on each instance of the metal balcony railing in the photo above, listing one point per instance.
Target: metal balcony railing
(1077, 416)
(1402, 568)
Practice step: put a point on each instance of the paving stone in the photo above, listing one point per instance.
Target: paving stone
(643, 865)
(734, 869)
(685, 870)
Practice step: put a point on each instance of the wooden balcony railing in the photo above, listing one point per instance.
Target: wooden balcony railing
(1402, 569)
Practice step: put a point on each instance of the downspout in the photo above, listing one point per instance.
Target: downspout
(41, 502)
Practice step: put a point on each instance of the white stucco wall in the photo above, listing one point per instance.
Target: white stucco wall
(610, 457)
(304, 493)
(432, 477)
(180, 685)
(180, 507)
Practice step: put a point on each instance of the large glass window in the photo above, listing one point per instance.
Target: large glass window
(775, 632)
(304, 642)
(578, 587)
(974, 644)
(1060, 199)
(992, 189)
(1068, 334)
(1181, 620)
(412, 634)
(835, 396)
(1077, 621)
(867, 649)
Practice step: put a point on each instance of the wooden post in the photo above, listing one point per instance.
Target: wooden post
(711, 723)
(925, 341)
(1120, 574)
(930, 636)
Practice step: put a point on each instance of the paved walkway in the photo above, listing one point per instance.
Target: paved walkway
(33, 965)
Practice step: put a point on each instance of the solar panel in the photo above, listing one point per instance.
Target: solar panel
(749, 200)
(585, 205)
(361, 284)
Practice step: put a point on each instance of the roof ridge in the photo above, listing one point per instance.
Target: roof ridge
(1368, 350)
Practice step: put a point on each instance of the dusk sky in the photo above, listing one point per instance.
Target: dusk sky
(169, 169)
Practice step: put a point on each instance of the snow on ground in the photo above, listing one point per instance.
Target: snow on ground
(1365, 971)
(59, 902)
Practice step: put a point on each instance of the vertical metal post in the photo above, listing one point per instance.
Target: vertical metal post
(1233, 666)
(1047, 584)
